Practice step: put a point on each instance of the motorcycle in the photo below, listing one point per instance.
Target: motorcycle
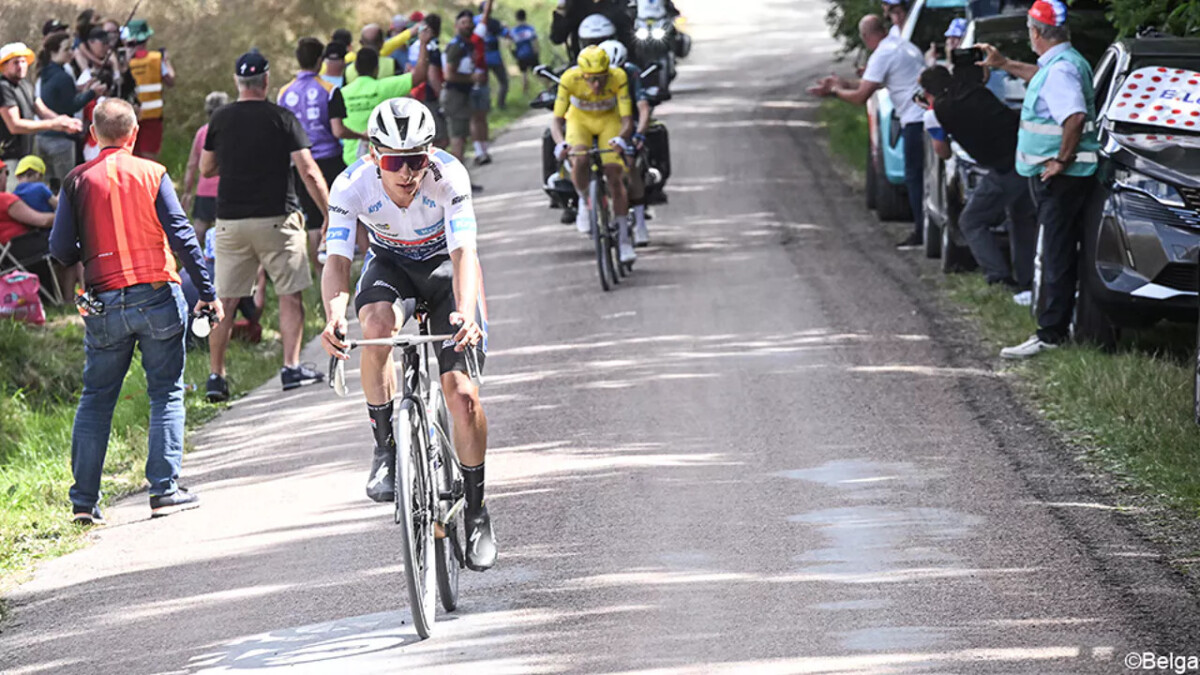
(653, 44)
(654, 160)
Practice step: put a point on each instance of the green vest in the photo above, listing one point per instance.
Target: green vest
(361, 96)
(387, 68)
(1040, 138)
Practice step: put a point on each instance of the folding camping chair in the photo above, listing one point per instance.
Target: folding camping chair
(27, 253)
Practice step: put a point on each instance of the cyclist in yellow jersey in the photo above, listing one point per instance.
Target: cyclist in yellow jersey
(594, 98)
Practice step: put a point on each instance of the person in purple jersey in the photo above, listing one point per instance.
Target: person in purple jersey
(308, 97)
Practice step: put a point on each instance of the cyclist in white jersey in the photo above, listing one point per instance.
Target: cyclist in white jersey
(415, 202)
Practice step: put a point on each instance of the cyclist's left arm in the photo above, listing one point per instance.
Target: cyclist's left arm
(460, 241)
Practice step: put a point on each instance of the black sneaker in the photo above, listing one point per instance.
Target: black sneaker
(217, 389)
(299, 376)
(179, 500)
(914, 240)
(476, 188)
(381, 483)
(481, 542)
(85, 516)
(568, 217)
(482, 160)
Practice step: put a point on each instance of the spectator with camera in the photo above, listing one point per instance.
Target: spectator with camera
(134, 299)
(1057, 150)
(965, 110)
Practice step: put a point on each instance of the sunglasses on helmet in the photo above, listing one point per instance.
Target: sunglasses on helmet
(394, 162)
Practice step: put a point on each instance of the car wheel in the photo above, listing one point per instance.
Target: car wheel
(1089, 322)
(933, 236)
(1196, 379)
(891, 201)
(956, 255)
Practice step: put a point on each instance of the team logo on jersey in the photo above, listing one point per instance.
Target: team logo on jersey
(462, 225)
(459, 199)
(312, 94)
(375, 207)
(428, 202)
(337, 209)
(292, 98)
(432, 228)
(338, 234)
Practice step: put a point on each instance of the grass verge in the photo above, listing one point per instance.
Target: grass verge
(42, 373)
(1128, 412)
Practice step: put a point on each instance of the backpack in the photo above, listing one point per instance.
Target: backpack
(19, 298)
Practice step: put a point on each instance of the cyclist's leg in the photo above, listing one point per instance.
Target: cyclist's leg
(462, 398)
(614, 170)
(380, 285)
(579, 136)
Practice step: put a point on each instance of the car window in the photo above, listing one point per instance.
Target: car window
(1103, 79)
(931, 26)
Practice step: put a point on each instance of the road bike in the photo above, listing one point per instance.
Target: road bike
(604, 233)
(429, 485)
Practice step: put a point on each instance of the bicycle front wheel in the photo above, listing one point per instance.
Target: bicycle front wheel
(415, 508)
(448, 550)
(600, 235)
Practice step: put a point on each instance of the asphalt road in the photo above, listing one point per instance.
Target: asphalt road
(768, 452)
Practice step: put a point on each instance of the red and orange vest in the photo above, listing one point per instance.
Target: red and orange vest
(122, 242)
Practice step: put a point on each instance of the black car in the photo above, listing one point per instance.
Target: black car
(1142, 229)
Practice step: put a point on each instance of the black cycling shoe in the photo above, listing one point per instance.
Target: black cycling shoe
(299, 376)
(481, 542)
(381, 484)
(217, 389)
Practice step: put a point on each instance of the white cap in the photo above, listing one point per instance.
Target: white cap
(13, 50)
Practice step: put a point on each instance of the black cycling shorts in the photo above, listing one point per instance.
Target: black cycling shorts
(387, 278)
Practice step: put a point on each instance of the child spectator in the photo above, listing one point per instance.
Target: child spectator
(525, 47)
(30, 188)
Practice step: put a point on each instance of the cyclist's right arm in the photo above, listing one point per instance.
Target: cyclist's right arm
(562, 103)
(339, 247)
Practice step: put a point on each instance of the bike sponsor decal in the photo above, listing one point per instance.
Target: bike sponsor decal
(1157, 96)
(338, 234)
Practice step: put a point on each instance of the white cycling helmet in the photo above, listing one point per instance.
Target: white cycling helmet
(616, 52)
(596, 27)
(401, 124)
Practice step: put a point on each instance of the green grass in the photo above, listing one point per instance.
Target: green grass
(1127, 412)
(847, 127)
(40, 376)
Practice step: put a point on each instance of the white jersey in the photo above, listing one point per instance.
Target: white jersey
(441, 218)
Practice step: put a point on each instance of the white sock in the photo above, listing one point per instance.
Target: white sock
(480, 149)
(639, 214)
(622, 229)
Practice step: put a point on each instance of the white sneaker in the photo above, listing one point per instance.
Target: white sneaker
(583, 221)
(1024, 298)
(641, 235)
(626, 254)
(1031, 347)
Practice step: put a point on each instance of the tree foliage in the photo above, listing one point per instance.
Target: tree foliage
(1175, 17)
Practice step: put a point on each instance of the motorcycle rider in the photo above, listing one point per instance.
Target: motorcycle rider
(567, 22)
(636, 181)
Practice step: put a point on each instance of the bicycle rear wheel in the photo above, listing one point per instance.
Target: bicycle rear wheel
(415, 502)
(600, 235)
(615, 271)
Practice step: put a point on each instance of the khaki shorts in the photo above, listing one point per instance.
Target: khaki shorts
(457, 106)
(277, 243)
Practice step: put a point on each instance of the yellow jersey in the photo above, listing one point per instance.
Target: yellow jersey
(575, 96)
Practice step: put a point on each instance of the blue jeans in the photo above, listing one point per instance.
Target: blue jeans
(153, 319)
(914, 172)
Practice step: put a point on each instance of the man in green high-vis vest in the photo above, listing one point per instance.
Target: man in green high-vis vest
(1057, 150)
